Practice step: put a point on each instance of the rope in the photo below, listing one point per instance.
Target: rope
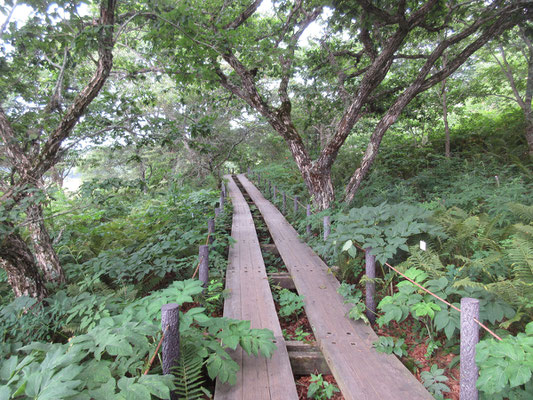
(155, 352)
(437, 297)
(427, 291)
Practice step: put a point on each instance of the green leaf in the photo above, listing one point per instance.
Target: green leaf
(521, 375)
(104, 392)
(5, 393)
(529, 329)
(134, 391)
(157, 385)
(347, 245)
(8, 368)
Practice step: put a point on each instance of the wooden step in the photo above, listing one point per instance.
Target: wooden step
(306, 358)
(283, 279)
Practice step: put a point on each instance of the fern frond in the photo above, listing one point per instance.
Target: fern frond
(189, 377)
(524, 230)
(467, 282)
(522, 211)
(427, 261)
(521, 256)
(150, 284)
(484, 265)
(515, 292)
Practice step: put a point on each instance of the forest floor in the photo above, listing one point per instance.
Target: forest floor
(417, 352)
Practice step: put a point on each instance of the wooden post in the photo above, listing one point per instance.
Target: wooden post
(327, 226)
(268, 188)
(370, 270)
(249, 171)
(170, 348)
(223, 189)
(221, 201)
(284, 203)
(217, 212)
(295, 204)
(203, 270)
(469, 338)
(211, 230)
(308, 227)
(274, 194)
(258, 179)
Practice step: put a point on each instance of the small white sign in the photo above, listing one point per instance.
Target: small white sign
(422, 245)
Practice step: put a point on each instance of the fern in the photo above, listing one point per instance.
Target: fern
(466, 234)
(514, 291)
(189, 376)
(521, 255)
(525, 213)
(427, 261)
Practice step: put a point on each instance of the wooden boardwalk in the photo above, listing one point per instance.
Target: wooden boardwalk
(250, 299)
(360, 371)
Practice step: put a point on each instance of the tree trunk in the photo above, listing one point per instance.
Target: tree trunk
(445, 118)
(22, 272)
(320, 187)
(529, 133)
(45, 254)
(375, 140)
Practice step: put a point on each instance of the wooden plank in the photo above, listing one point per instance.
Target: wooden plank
(250, 299)
(360, 371)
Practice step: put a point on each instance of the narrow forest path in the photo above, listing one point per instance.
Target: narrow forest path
(250, 299)
(360, 371)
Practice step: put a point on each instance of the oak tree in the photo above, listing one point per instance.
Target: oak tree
(42, 103)
(231, 44)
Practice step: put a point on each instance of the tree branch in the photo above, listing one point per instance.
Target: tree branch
(55, 100)
(86, 96)
(341, 76)
(378, 12)
(8, 18)
(252, 8)
(506, 19)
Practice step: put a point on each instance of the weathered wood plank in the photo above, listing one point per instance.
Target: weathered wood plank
(250, 299)
(360, 371)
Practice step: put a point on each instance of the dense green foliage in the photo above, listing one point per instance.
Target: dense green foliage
(478, 231)
(198, 86)
(126, 254)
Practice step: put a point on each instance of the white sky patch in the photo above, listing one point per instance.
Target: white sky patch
(23, 12)
(315, 30)
(72, 182)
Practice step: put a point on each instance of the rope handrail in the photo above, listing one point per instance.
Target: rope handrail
(429, 292)
(293, 197)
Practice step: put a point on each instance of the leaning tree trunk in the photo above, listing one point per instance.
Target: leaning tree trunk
(46, 256)
(22, 272)
(447, 151)
(375, 140)
(529, 132)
